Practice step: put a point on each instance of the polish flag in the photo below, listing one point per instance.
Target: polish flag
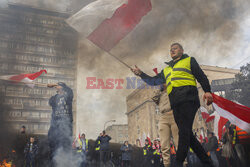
(219, 124)
(210, 118)
(106, 22)
(204, 113)
(23, 78)
(237, 114)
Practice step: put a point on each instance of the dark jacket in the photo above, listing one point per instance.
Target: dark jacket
(126, 152)
(31, 151)
(147, 151)
(104, 142)
(184, 93)
(62, 105)
(212, 144)
(60, 131)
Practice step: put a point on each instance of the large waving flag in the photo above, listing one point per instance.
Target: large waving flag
(23, 78)
(237, 114)
(103, 30)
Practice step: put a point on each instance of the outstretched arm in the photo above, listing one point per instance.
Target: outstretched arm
(159, 79)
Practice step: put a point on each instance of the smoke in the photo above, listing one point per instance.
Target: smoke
(58, 5)
(211, 31)
(7, 137)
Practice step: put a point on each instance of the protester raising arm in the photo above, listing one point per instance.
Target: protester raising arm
(159, 79)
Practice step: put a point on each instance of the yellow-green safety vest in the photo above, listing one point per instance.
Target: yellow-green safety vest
(179, 75)
(98, 148)
(234, 136)
(80, 143)
(145, 150)
(156, 153)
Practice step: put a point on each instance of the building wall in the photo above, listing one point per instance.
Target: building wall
(118, 133)
(143, 115)
(30, 40)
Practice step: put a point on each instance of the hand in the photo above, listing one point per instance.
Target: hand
(51, 85)
(208, 96)
(136, 71)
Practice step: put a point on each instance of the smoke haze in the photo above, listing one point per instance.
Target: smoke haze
(210, 31)
(214, 32)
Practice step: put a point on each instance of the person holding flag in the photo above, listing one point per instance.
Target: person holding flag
(180, 76)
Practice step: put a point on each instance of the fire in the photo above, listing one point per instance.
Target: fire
(6, 164)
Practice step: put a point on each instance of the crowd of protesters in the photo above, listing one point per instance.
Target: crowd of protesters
(224, 152)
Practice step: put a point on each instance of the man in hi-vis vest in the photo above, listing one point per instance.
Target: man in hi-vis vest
(180, 76)
(83, 149)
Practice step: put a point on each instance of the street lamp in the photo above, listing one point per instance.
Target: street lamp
(108, 122)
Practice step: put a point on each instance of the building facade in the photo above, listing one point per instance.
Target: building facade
(143, 114)
(32, 39)
(118, 133)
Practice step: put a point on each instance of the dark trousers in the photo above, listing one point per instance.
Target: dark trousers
(157, 159)
(147, 161)
(184, 115)
(30, 161)
(104, 157)
(125, 163)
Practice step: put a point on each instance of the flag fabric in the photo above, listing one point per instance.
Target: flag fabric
(204, 113)
(24, 78)
(92, 15)
(237, 114)
(210, 118)
(156, 71)
(219, 125)
(123, 21)
(111, 30)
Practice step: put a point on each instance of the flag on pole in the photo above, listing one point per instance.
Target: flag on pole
(106, 31)
(24, 78)
(237, 114)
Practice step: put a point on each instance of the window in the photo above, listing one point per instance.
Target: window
(157, 110)
(138, 130)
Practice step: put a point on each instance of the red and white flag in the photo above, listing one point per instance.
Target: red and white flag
(23, 78)
(106, 22)
(204, 113)
(219, 124)
(210, 118)
(237, 114)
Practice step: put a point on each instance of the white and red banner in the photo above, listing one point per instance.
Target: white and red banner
(204, 113)
(237, 114)
(23, 78)
(106, 22)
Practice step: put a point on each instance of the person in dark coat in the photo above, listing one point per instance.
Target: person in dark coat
(147, 154)
(104, 148)
(180, 76)
(60, 131)
(211, 147)
(126, 154)
(30, 152)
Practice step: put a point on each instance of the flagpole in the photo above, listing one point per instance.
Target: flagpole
(118, 59)
(27, 83)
